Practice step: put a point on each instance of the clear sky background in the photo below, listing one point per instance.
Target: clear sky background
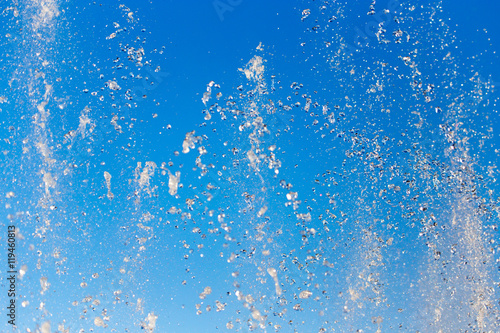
(341, 176)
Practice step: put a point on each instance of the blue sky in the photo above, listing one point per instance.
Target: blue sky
(358, 164)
